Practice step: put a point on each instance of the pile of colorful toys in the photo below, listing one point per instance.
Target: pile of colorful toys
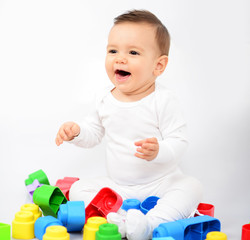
(52, 216)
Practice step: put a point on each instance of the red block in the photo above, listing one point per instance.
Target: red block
(245, 232)
(206, 209)
(65, 185)
(104, 202)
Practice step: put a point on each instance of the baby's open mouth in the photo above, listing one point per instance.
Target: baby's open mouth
(122, 73)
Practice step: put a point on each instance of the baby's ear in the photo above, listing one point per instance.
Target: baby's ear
(161, 64)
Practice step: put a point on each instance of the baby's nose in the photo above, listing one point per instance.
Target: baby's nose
(121, 60)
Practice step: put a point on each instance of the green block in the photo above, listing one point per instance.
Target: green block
(39, 175)
(108, 231)
(4, 231)
(49, 198)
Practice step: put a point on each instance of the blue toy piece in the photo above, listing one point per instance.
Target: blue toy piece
(72, 215)
(131, 204)
(163, 238)
(149, 203)
(42, 223)
(195, 228)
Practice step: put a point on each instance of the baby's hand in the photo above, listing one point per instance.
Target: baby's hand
(147, 149)
(67, 132)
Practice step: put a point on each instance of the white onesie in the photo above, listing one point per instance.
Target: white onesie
(123, 123)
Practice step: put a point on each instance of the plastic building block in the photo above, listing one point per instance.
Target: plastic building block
(206, 209)
(42, 223)
(104, 202)
(72, 215)
(149, 203)
(32, 208)
(108, 231)
(49, 198)
(39, 175)
(216, 236)
(245, 232)
(4, 231)
(65, 185)
(195, 228)
(92, 226)
(163, 238)
(23, 225)
(56, 233)
(32, 187)
(131, 204)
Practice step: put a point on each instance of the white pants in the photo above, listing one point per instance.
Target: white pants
(179, 195)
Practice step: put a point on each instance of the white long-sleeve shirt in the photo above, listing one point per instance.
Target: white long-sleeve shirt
(123, 123)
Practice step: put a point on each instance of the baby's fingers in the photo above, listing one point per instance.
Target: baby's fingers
(150, 146)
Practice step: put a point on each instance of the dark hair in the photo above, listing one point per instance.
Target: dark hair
(143, 16)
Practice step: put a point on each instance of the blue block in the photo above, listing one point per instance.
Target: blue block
(131, 204)
(163, 238)
(195, 228)
(149, 203)
(42, 223)
(72, 215)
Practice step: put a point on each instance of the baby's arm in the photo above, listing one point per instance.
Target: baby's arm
(147, 149)
(67, 132)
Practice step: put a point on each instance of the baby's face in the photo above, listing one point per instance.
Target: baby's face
(132, 55)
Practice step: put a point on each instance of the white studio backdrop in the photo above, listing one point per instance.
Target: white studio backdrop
(52, 61)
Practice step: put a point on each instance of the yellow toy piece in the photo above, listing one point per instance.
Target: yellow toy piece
(56, 233)
(92, 226)
(23, 225)
(30, 207)
(216, 236)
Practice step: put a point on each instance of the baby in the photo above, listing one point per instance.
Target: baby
(144, 129)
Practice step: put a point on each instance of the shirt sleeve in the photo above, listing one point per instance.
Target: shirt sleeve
(173, 129)
(91, 130)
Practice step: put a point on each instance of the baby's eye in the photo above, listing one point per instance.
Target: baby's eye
(134, 52)
(112, 51)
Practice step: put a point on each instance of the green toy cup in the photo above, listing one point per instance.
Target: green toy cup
(108, 231)
(4, 231)
(49, 198)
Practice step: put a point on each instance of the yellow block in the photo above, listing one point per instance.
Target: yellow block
(32, 208)
(56, 233)
(92, 226)
(216, 236)
(23, 225)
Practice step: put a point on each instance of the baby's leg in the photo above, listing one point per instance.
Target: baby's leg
(86, 189)
(178, 202)
(179, 197)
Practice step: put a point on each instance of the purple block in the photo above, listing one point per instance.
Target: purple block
(32, 187)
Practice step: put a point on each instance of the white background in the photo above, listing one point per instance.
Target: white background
(52, 60)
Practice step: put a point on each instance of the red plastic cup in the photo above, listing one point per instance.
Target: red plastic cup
(245, 232)
(206, 209)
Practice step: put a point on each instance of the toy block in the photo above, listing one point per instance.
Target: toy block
(65, 185)
(49, 198)
(56, 233)
(131, 204)
(32, 187)
(245, 232)
(206, 209)
(163, 238)
(32, 208)
(72, 215)
(108, 231)
(104, 202)
(149, 203)
(23, 225)
(42, 223)
(216, 236)
(92, 226)
(4, 231)
(39, 175)
(195, 228)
